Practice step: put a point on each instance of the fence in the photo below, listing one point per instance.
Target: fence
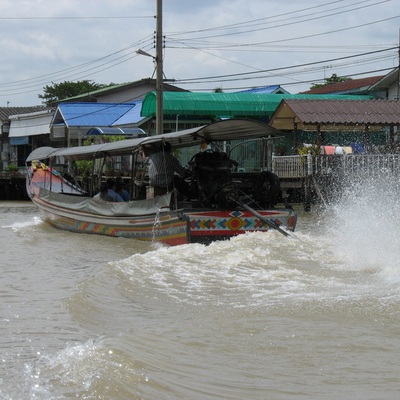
(372, 165)
(368, 165)
(291, 167)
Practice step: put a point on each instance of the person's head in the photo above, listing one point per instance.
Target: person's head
(166, 146)
(103, 187)
(119, 187)
(111, 183)
(145, 151)
(142, 152)
(204, 144)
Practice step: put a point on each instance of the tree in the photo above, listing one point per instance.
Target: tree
(59, 91)
(329, 81)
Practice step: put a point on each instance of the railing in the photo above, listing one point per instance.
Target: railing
(328, 164)
(369, 165)
(372, 165)
(288, 167)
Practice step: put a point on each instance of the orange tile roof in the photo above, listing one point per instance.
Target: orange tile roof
(350, 85)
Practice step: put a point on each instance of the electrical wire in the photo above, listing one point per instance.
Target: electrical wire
(289, 67)
(290, 21)
(203, 44)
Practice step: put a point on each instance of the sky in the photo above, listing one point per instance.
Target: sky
(231, 45)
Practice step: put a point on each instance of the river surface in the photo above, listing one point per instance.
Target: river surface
(261, 316)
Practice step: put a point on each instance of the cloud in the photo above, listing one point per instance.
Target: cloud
(45, 40)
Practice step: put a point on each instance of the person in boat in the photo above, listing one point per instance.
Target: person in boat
(205, 145)
(111, 193)
(103, 195)
(140, 174)
(120, 189)
(166, 172)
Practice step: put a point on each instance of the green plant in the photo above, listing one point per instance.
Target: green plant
(84, 167)
(12, 167)
(313, 150)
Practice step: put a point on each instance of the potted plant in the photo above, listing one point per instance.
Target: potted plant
(12, 169)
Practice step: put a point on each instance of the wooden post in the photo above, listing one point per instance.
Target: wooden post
(319, 136)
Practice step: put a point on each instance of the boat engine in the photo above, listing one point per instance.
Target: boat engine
(212, 174)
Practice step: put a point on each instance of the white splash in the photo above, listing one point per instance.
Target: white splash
(364, 226)
(17, 226)
(249, 269)
(87, 367)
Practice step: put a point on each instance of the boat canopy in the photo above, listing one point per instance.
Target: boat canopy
(106, 209)
(230, 129)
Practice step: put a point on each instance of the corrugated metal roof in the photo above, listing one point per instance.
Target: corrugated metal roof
(132, 116)
(351, 85)
(6, 112)
(387, 80)
(265, 90)
(224, 104)
(371, 112)
(93, 114)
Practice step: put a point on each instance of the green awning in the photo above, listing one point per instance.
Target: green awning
(226, 104)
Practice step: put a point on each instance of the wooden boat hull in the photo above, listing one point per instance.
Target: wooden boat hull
(167, 227)
(171, 227)
(208, 226)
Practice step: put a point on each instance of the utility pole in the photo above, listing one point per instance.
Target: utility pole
(159, 71)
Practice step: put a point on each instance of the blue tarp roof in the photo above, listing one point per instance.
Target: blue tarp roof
(98, 114)
(132, 116)
(265, 89)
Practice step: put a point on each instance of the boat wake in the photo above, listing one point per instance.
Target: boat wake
(197, 298)
(91, 367)
(353, 254)
(364, 227)
(22, 225)
(251, 271)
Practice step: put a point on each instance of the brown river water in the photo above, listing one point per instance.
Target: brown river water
(261, 316)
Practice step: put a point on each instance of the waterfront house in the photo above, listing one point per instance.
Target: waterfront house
(122, 93)
(340, 122)
(360, 86)
(22, 128)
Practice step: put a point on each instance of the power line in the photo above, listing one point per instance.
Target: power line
(77, 72)
(269, 18)
(290, 22)
(125, 55)
(230, 45)
(310, 81)
(289, 67)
